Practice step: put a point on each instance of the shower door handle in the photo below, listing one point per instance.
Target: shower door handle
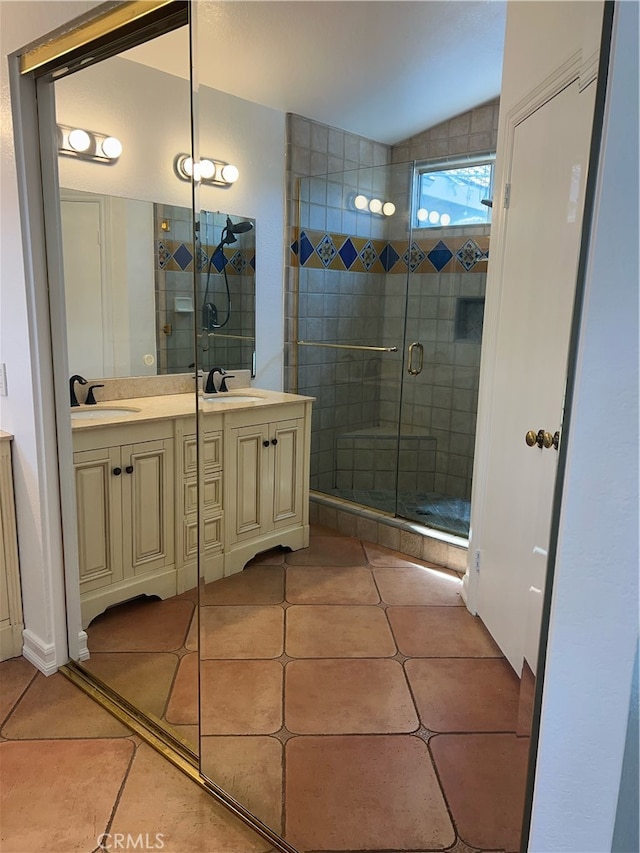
(414, 371)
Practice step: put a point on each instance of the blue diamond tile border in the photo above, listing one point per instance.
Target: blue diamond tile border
(389, 257)
(469, 254)
(368, 255)
(414, 256)
(182, 256)
(306, 248)
(348, 253)
(440, 255)
(325, 250)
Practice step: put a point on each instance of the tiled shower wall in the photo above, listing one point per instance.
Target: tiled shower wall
(176, 313)
(347, 280)
(326, 304)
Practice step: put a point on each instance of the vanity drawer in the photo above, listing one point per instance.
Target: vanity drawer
(212, 453)
(212, 528)
(211, 498)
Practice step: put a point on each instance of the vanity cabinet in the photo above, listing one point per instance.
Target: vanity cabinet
(267, 472)
(148, 497)
(126, 516)
(11, 624)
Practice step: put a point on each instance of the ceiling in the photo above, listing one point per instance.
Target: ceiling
(384, 69)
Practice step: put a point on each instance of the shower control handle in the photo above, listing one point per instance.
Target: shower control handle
(415, 346)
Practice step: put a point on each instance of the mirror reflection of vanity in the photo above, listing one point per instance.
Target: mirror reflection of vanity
(129, 288)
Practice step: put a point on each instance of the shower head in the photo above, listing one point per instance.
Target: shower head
(230, 230)
(238, 227)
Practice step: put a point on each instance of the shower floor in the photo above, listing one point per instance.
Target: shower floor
(433, 509)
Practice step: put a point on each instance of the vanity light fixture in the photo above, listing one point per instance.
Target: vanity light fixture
(206, 170)
(88, 144)
(374, 205)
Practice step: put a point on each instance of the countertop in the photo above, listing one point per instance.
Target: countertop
(5, 436)
(168, 406)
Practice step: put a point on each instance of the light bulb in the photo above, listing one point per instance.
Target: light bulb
(422, 215)
(196, 171)
(360, 202)
(185, 165)
(445, 219)
(375, 205)
(111, 147)
(79, 140)
(207, 170)
(388, 208)
(229, 173)
(434, 217)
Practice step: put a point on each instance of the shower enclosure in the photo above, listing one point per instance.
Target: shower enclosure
(389, 334)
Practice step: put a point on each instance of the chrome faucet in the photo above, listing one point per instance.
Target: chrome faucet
(210, 384)
(72, 391)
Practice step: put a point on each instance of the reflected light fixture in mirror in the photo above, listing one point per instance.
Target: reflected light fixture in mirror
(374, 205)
(206, 170)
(88, 144)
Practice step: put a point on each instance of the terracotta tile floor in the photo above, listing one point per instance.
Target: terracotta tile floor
(348, 699)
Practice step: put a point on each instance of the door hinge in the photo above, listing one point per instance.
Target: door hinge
(507, 195)
(476, 561)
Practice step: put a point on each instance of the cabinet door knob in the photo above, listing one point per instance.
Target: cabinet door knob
(129, 469)
(274, 441)
(265, 443)
(117, 472)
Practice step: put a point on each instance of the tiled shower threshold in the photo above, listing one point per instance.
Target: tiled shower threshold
(408, 537)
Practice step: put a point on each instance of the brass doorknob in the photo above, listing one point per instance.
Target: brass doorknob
(542, 438)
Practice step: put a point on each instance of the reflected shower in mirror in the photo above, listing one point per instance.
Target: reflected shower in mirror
(129, 287)
(226, 258)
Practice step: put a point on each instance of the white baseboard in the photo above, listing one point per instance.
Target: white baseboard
(41, 655)
(83, 645)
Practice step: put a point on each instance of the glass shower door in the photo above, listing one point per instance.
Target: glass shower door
(389, 334)
(352, 305)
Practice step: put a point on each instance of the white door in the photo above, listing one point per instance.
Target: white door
(83, 285)
(549, 156)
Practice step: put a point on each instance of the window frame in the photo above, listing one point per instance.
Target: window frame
(443, 164)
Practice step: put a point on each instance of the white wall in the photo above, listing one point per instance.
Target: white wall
(149, 112)
(594, 613)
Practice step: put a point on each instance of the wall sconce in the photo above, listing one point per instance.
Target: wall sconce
(206, 170)
(374, 205)
(87, 144)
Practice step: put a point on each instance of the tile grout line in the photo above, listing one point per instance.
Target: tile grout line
(13, 708)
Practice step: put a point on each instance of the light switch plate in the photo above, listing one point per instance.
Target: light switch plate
(3, 380)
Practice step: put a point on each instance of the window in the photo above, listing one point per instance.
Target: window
(453, 192)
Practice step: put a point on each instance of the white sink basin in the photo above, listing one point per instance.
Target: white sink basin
(96, 414)
(231, 398)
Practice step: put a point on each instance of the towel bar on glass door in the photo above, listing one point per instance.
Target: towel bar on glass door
(346, 346)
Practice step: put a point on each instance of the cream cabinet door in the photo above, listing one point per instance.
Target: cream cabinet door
(98, 475)
(287, 482)
(269, 477)
(147, 506)
(251, 457)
